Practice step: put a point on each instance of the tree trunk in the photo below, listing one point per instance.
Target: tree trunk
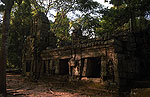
(3, 51)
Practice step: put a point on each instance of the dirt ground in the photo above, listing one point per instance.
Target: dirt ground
(18, 86)
(57, 86)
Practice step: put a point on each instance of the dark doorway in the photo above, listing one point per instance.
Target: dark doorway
(93, 69)
(44, 66)
(28, 66)
(64, 66)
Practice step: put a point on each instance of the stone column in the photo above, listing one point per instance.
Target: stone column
(47, 67)
(84, 68)
(80, 71)
(32, 71)
(41, 68)
(24, 67)
(57, 67)
(103, 67)
(50, 65)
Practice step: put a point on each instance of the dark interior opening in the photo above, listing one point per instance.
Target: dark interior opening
(48, 67)
(64, 66)
(28, 66)
(93, 67)
(44, 66)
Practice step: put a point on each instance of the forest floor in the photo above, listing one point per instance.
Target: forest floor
(18, 86)
(56, 86)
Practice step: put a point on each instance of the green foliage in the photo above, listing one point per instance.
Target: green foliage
(2, 7)
(19, 30)
(114, 18)
(94, 22)
(87, 6)
(61, 28)
(136, 7)
(88, 25)
(61, 25)
(72, 5)
(126, 15)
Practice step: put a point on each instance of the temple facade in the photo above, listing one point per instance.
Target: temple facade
(116, 59)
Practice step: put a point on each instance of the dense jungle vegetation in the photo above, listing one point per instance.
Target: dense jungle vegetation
(92, 18)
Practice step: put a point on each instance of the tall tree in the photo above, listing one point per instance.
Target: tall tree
(3, 51)
(134, 10)
(125, 15)
(2, 8)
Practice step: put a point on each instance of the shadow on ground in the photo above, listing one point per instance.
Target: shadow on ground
(18, 86)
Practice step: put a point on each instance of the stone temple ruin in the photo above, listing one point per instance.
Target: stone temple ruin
(122, 59)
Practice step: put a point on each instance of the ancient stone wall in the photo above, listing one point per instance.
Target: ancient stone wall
(122, 59)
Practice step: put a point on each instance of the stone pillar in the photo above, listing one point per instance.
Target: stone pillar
(71, 65)
(41, 68)
(47, 67)
(84, 68)
(57, 67)
(52, 66)
(24, 67)
(32, 67)
(103, 67)
(79, 67)
(116, 76)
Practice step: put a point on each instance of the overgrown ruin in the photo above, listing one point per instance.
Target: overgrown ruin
(122, 58)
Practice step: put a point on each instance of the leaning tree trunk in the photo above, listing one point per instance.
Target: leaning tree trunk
(3, 51)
